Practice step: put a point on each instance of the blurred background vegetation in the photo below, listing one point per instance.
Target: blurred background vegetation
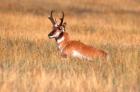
(40, 7)
(30, 62)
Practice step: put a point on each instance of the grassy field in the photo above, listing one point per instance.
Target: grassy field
(29, 61)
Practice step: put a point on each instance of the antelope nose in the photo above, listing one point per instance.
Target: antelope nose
(49, 36)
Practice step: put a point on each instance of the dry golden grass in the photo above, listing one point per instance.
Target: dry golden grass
(29, 61)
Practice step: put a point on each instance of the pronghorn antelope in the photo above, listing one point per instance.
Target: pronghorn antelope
(69, 47)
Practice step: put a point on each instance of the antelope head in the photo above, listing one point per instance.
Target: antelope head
(57, 28)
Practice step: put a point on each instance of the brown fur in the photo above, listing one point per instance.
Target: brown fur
(69, 45)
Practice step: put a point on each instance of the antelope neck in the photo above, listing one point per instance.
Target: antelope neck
(62, 40)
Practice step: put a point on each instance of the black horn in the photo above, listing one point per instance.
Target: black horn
(51, 17)
(61, 19)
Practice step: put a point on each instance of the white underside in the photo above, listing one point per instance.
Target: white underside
(79, 55)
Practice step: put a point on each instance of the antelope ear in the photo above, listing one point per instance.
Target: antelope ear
(64, 24)
(63, 27)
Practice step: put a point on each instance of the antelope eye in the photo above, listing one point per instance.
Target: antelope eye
(59, 28)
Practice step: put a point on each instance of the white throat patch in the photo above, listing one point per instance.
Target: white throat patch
(60, 40)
